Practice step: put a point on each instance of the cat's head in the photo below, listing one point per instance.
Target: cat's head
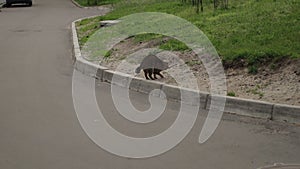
(137, 70)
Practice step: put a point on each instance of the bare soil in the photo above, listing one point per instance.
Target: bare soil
(275, 82)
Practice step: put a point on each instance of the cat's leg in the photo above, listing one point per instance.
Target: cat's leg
(155, 72)
(154, 75)
(160, 75)
(146, 74)
(150, 75)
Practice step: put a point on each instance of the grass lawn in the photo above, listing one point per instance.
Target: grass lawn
(254, 31)
(96, 2)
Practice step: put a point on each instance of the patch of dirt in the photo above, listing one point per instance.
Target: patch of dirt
(276, 83)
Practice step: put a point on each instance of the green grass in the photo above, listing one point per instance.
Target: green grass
(147, 37)
(171, 44)
(252, 69)
(193, 62)
(86, 28)
(232, 94)
(96, 2)
(255, 31)
(174, 45)
(256, 91)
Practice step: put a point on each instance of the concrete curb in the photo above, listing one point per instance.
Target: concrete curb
(246, 107)
(77, 4)
(286, 113)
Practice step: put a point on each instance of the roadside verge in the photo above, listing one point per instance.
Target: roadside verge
(84, 7)
(246, 107)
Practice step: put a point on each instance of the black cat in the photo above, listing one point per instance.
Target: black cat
(149, 72)
(152, 65)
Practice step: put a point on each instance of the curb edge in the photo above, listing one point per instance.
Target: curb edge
(244, 107)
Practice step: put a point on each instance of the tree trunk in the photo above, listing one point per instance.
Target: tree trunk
(226, 2)
(201, 3)
(198, 3)
(215, 4)
(193, 2)
(199, 6)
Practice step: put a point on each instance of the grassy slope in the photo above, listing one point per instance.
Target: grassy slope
(252, 30)
(96, 2)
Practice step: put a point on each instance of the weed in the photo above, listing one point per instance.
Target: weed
(108, 54)
(146, 37)
(193, 62)
(232, 94)
(253, 69)
(256, 91)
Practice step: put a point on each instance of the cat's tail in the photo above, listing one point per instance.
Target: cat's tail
(138, 70)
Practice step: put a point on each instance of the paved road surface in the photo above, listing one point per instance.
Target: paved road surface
(38, 124)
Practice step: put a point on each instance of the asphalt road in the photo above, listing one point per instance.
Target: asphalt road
(38, 124)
